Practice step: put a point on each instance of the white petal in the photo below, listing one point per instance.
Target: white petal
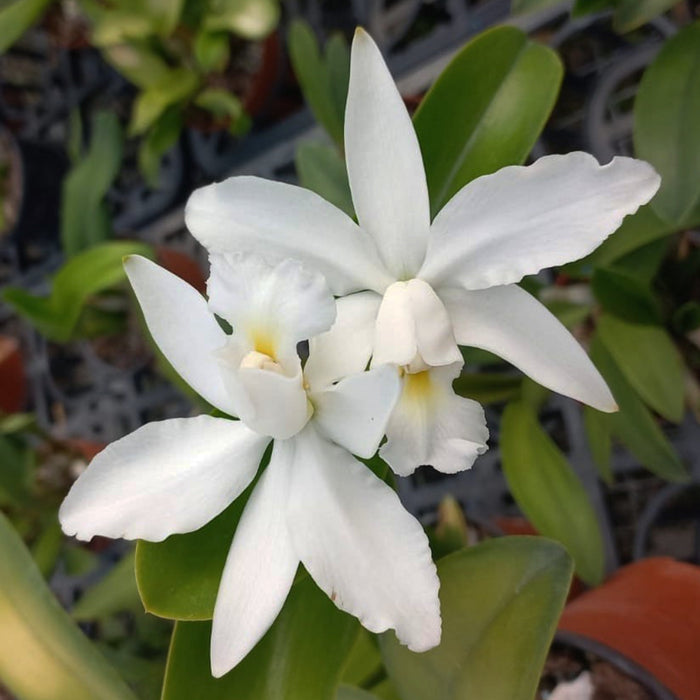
(168, 477)
(269, 402)
(519, 220)
(412, 320)
(259, 569)
(182, 327)
(514, 325)
(359, 544)
(346, 348)
(275, 306)
(432, 425)
(354, 412)
(385, 167)
(277, 220)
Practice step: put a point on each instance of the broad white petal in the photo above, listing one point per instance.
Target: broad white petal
(270, 401)
(433, 426)
(515, 222)
(412, 320)
(514, 325)
(346, 348)
(167, 477)
(259, 569)
(277, 220)
(354, 412)
(274, 306)
(385, 167)
(182, 327)
(359, 544)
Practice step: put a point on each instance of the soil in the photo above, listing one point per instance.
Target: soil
(565, 663)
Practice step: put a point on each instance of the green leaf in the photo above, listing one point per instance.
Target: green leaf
(211, 50)
(17, 17)
(587, 7)
(569, 313)
(84, 221)
(364, 662)
(666, 134)
(300, 658)
(177, 85)
(249, 19)
(650, 362)
(15, 474)
(161, 137)
(220, 103)
(633, 424)
(485, 110)
(599, 433)
(82, 277)
(179, 578)
(47, 546)
(43, 654)
(138, 63)
(115, 592)
(625, 296)
(323, 80)
(348, 692)
(322, 170)
(686, 318)
(631, 14)
(500, 604)
(548, 491)
(636, 231)
(488, 387)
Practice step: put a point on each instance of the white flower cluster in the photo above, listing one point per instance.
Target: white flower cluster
(382, 358)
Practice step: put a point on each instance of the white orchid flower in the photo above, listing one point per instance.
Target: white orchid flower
(314, 503)
(418, 288)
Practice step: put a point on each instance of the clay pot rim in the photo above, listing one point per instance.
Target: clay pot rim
(619, 660)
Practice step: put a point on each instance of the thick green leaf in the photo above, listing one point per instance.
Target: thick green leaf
(85, 186)
(138, 63)
(364, 662)
(322, 80)
(349, 692)
(599, 433)
(179, 578)
(500, 604)
(161, 137)
(174, 87)
(631, 14)
(42, 653)
(220, 103)
(626, 296)
(485, 110)
(586, 7)
(15, 473)
(548, 491)
(636, 231)
(249, 19)
(300, 658)
(82, 277)
(666, 134)
(649, 360)
(686, 318)
(488, 387)
(16, 18)
(115, 592)
(212, 50)
(47, 546)
(322, 170)
(633, 424)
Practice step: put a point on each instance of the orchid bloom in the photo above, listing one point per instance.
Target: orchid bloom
(314, 503)
(413, 290)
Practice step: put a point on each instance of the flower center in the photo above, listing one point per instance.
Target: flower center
(260, 360)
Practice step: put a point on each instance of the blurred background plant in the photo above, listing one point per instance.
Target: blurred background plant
(112, 112)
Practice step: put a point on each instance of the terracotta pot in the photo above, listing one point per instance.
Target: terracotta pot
(646, 620)
(13, 380)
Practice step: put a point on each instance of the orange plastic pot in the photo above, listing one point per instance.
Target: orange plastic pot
(13, 381)
(646, 620)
